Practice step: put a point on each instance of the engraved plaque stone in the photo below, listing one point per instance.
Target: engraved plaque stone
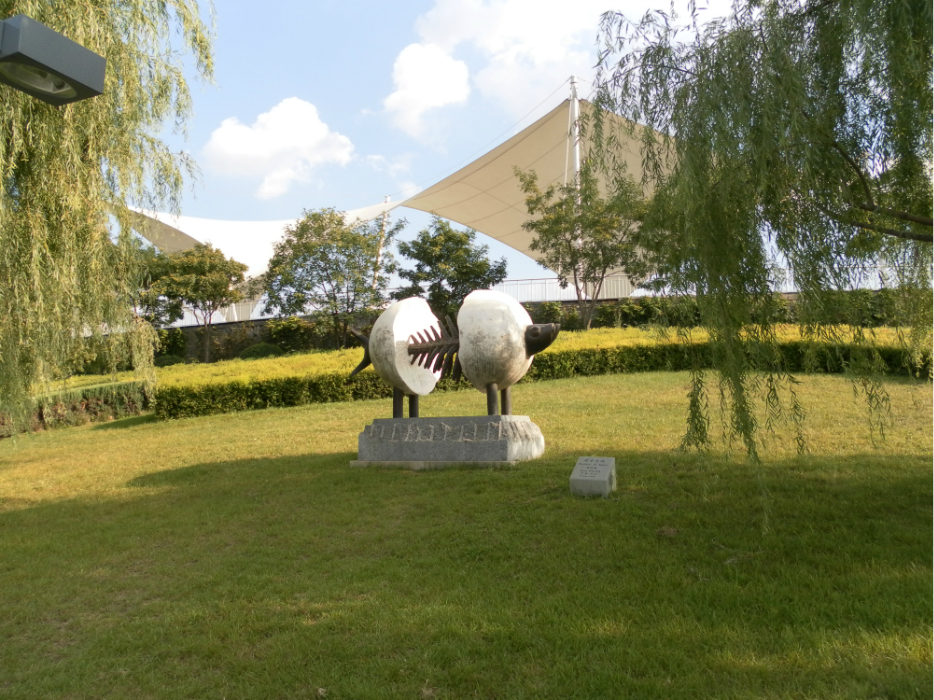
(594, 476)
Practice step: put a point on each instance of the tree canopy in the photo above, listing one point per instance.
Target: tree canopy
(583, 235)
(448, 267)
(203, 279)
(151, 306)
(794, 134)
(68, 174)
(324, 264)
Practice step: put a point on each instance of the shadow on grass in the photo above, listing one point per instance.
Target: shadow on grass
(273, 578)
(130, 422)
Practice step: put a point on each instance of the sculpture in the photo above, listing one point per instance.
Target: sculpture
(387, 350)
(493, 345)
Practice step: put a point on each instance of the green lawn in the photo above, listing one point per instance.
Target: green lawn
(238, 556)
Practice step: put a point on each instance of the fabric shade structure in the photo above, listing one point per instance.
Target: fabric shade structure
(249, 242)
(485, 194)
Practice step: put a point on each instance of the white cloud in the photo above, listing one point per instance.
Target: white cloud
(395, 167)
(398, 169)
(527, 48)
(521, 50)
(425, 77)
(282, 146)
(407, 189)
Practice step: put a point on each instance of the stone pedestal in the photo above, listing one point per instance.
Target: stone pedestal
(435, 443)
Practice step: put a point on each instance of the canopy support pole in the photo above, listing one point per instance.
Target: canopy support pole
(575, 129)
(379, 249)
(575, 136)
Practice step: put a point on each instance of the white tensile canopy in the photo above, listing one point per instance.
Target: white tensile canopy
(483, 195)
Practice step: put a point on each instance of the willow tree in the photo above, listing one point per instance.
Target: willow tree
(794, 134)
(68, 270)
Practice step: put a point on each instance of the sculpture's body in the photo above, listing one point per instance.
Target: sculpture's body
(493, 344)
(492, 331)
(389, 346)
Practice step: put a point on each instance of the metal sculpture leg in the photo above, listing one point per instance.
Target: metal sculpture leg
(505, 397)
(397, 403)
(492, 400)
(413, 406)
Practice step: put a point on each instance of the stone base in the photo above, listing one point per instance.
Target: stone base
(462, 440)
(427, 466)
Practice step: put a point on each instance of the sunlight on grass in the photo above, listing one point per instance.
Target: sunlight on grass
(240, 556)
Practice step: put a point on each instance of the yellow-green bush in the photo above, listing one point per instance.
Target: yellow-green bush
(563, 360)
(199, 389)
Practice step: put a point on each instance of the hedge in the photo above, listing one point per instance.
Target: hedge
(859, 307)
(85, 405)
(261, 350)
(209, 399)
(796, 357)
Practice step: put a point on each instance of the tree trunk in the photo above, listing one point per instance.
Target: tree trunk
(585, 308)
(206, 343)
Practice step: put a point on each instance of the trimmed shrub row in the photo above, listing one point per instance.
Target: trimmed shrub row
(261, 350)
(798, 356)
(85, 405)
(210, 399)
(861, 307)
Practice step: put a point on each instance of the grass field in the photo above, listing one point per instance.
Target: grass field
(238, 556)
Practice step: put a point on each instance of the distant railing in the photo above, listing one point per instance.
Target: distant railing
(242, 311)
(538, 290)
(548, 289)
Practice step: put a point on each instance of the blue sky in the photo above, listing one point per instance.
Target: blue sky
(337, 103)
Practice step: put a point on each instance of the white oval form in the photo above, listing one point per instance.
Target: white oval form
(389, 343)
(492, 339)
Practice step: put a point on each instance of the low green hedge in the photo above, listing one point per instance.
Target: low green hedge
(859, 307)
(796, 357)
(208, 399)
(85, 405)
(168, 360)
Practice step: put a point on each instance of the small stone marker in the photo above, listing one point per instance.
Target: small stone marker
(594, 476)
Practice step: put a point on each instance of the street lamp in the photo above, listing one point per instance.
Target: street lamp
(47, 65)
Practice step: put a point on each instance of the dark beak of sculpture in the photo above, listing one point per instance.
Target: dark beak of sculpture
(540, 336)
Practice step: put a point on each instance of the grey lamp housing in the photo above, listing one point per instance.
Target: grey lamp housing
(47, 65)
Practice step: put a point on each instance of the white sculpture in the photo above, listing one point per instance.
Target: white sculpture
(492, 332)
(389, 346)
(493, 344)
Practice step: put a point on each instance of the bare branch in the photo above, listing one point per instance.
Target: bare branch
(859, 172)
(904, 216)
(905, 235)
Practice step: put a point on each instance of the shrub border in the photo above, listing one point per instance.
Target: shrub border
(796, 357)
(92, 404)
